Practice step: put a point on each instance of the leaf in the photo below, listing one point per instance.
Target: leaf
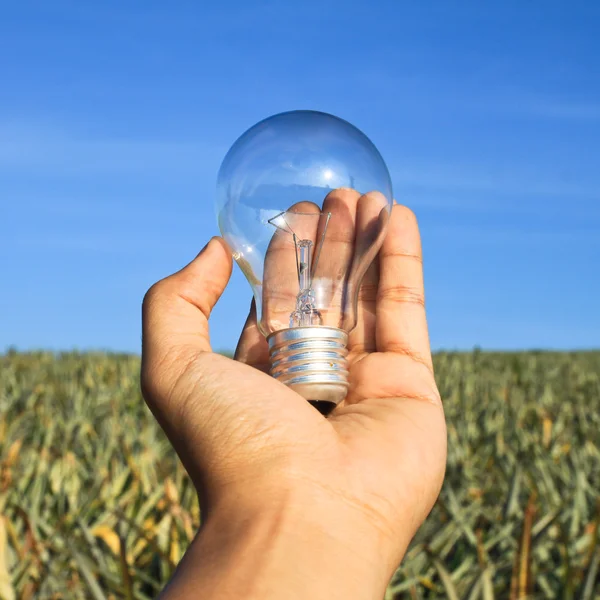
(521, 582)
(487, 584)
(449, 587)
(547, 431)
(171, 492)
(591, 577)
(109, 537)
(7, 591)
(92, 584)
(127, 583)
(542, 526)
(13, 453)
(512, 504)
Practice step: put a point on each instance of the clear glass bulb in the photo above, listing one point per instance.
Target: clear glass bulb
(303, 200)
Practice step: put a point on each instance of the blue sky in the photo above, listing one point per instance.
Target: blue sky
(114, 118)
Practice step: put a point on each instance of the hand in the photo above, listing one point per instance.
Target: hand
(320, 501)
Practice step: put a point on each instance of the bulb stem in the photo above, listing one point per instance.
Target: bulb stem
(306, 313)
(303, 250)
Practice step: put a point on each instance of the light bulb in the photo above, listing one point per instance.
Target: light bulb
(303, 200)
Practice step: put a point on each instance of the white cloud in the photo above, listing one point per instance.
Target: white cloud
(477, 178)
(567, 110)
(41, 149)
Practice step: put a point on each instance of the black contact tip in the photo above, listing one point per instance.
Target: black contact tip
(323, 406)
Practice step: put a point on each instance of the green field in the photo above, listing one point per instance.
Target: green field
(94, 503)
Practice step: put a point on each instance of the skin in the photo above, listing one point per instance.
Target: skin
(294, 504)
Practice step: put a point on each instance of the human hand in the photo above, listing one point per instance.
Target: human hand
(345, 494)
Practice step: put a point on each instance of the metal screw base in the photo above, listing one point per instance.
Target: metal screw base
(311, 361)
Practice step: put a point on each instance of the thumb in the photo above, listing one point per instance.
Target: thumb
(175, 316)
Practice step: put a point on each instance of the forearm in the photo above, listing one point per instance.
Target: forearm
(280, 552)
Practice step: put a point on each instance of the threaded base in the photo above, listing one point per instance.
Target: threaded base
(311, 361)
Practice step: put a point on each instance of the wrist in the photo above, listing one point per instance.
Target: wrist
(292, 547)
